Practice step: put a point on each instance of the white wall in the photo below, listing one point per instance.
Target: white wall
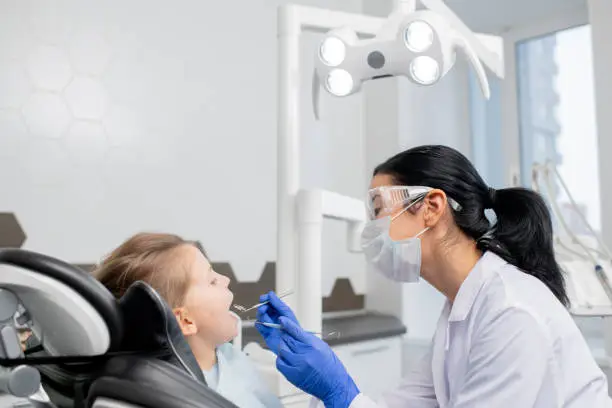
(162, 116)
(439, 114)
(118, 116)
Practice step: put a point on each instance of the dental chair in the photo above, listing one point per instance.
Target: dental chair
(87, 349)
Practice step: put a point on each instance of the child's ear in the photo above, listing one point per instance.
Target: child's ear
(186, 323)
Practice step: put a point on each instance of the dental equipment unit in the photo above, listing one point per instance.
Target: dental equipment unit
(410, 42)
(586, 260)
(355, 48)
(590, 290)
(363, 48)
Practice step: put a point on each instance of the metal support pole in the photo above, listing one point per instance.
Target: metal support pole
(288, 170)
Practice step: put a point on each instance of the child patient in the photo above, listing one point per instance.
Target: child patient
(200, 299)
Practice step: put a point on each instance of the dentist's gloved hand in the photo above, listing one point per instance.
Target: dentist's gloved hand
(310, 364)
(271, 313)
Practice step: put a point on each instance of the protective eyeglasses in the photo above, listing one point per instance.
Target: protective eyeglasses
(383, 201)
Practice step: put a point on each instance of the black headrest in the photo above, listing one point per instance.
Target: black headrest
(77, 279)
(152, 383)
(150, 325)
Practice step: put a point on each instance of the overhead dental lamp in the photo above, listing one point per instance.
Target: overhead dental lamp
(420, 45)
(356, 48)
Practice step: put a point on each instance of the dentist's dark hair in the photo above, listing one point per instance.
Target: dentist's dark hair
(522, 234)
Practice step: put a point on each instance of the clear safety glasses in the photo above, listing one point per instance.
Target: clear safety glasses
(384, 201)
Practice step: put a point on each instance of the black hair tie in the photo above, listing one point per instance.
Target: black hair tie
(492, 198)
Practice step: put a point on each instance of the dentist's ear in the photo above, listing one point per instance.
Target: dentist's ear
(435, 203)
(187, 324)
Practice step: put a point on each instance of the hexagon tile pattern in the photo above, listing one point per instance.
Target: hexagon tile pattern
(89, 52)
(11, 233)
(46, 115)
(49, 68)
(65, 101)
(86, 97)
(342, 297)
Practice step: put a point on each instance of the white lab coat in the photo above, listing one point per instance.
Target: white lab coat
(506, 342)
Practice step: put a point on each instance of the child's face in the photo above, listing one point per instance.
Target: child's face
(206, 313)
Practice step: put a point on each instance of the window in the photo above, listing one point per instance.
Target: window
(556, 106)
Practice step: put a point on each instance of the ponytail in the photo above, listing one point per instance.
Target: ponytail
(523, 236)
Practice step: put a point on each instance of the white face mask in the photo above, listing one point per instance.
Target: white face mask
(397, 260)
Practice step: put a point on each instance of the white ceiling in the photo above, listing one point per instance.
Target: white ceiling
(496, 16)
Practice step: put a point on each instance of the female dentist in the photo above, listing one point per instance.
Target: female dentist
(504, 338)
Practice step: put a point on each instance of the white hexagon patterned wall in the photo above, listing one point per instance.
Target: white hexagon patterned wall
(49, 67)
(46, 115)
(87, 98)
(14, 85)
(113, 121)
(89, 52)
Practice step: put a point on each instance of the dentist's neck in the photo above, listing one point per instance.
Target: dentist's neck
(452, 266)
(204, 352)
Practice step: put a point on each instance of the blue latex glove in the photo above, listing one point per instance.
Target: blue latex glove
(271, 313)
(310, 364)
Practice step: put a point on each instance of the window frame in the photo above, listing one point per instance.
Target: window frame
(510, 118)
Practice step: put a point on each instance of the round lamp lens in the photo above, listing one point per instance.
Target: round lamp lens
(425, 70)
(339, 82)
(419, 36)
(332, 51)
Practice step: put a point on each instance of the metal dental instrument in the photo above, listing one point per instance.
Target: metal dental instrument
(243, 309)
(279, 327)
